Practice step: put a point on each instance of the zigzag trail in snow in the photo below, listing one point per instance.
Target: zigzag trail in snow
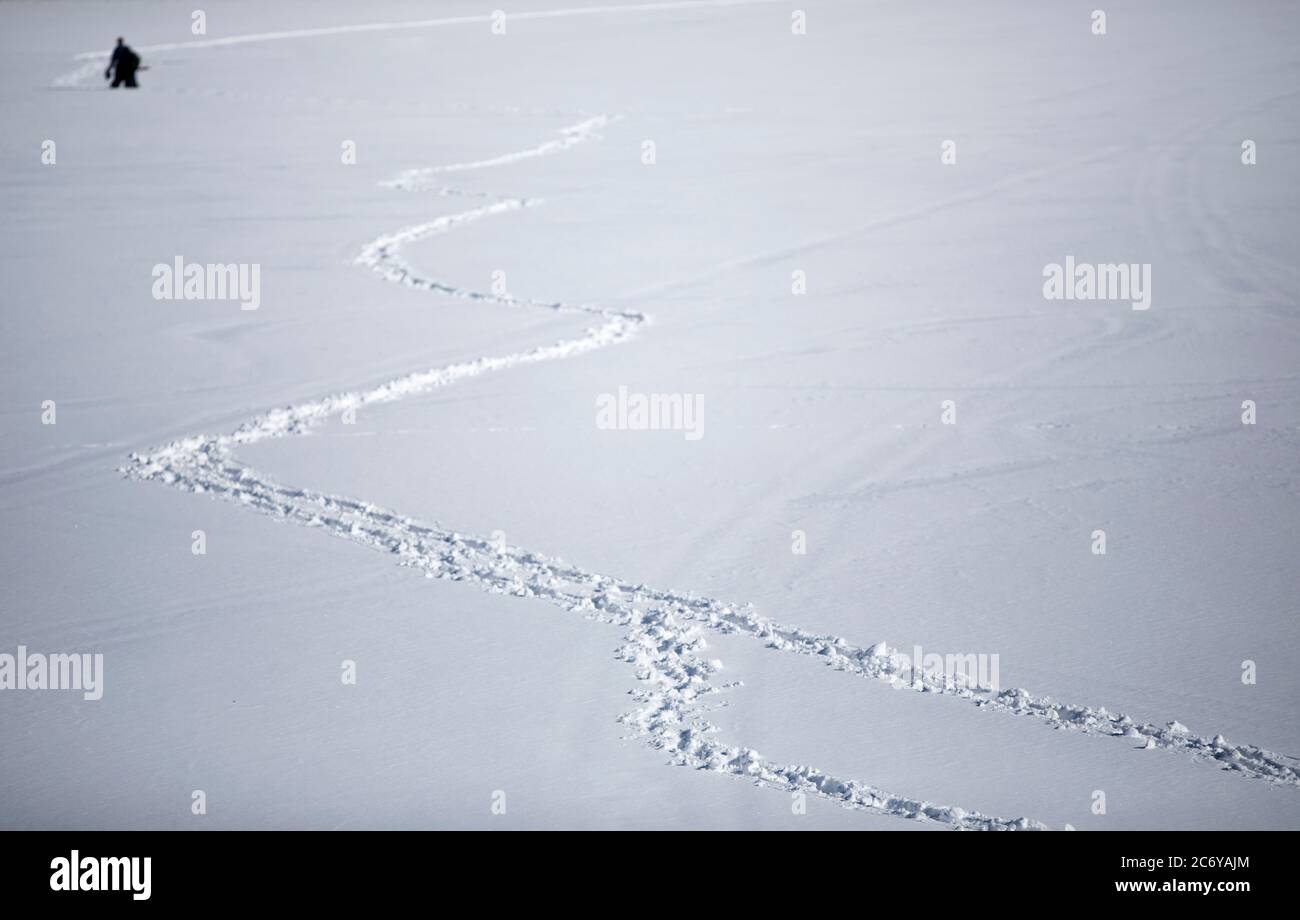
(665, 630)
(665, 639)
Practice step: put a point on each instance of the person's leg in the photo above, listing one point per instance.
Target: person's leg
(130, 80)
(117, 80)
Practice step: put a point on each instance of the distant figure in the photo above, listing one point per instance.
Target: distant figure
(123, 65)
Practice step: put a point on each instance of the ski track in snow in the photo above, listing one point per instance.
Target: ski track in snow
(418, 179)
(665, 638)
(92, 61)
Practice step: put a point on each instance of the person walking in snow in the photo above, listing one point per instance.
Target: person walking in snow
(123, 65)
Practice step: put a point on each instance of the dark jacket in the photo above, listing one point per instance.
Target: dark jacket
(124, 60)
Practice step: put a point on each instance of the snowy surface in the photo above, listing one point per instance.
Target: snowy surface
(634, 683)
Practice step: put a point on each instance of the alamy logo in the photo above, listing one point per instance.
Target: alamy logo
(1107, 281)
(974, 670)
(624, 411)
(53, 672)
(102, 873)
(209, 281)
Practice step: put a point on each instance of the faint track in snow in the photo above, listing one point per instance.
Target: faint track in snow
(92, 61)
(415, 180)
